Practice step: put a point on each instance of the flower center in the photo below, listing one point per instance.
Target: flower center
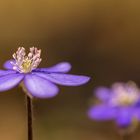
(25, 64)
(125, 94)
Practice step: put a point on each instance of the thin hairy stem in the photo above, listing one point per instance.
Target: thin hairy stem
(126, 136)
(29, 117)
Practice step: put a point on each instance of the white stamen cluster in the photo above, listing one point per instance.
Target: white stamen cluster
(125, 95)
(25, 64)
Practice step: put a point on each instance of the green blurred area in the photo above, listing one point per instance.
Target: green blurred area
(99, 38)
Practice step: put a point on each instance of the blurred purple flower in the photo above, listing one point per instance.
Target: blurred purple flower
(120, 103)
(39, 82)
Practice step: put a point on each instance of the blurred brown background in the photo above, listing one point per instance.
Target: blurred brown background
(99, 38)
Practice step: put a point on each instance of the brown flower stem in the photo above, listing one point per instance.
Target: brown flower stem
(29, 117)
(29, 108)
(126, 137)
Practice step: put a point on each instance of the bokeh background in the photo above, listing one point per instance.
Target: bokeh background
(99, 38)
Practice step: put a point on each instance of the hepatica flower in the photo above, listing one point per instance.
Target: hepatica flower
(120, 103)
(39, 82)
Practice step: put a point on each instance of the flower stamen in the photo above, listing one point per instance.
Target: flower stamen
(25, 64)
(125, 95)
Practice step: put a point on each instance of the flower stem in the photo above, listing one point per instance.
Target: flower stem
(126, 137)
(29, 117)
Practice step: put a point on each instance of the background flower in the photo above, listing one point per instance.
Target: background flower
(120, 103)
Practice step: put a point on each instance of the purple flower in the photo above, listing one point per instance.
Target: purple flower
(39, 82)
(120, 103)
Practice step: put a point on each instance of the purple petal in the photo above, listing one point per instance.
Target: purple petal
(62, 67)
(103, 93)
(136, 113)
(64, 79)
(9, 81)
(102, 112)
(8, 65)
(5, 72)
(40, 87)
(124, 117)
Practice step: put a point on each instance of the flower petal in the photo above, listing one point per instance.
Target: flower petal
(8, 65)
(124, 117)
(102, 112)
(62, 67)
(5, 72)
(103, 93)
(9, 81)
(136, 111)
(40, 87)
(64, 79)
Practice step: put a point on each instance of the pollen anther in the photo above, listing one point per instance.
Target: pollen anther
(25, 64)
